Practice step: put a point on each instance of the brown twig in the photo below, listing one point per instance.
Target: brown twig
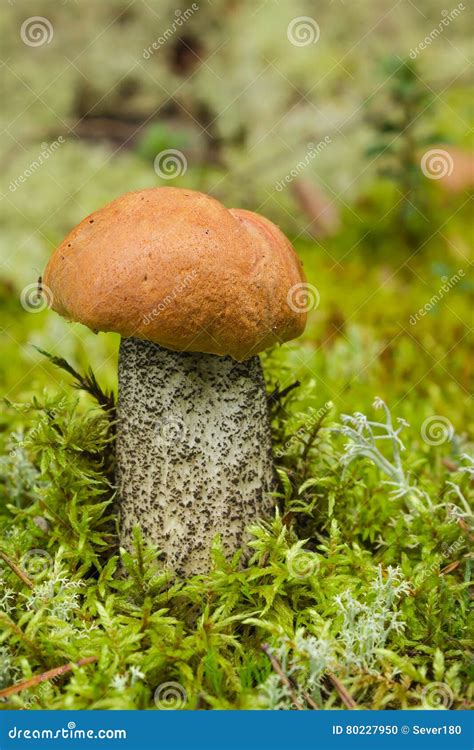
(310, 701)
(344, 694)
(31, 645)
(51, 674)
(449, 568)
(18, 571)
(283, 677)
(463, 525)
(318, 207)
(450, 465)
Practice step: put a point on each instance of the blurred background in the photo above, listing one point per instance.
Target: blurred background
(348, 124)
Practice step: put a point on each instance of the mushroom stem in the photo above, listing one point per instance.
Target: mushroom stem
(194, 456)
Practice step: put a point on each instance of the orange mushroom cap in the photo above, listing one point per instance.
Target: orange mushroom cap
(177, 268)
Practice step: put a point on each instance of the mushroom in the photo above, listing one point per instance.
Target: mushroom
(196, 292)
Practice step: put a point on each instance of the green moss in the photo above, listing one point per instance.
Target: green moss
(359, 590)
(357, 582)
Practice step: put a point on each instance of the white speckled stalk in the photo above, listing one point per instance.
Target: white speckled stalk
(194, 455)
